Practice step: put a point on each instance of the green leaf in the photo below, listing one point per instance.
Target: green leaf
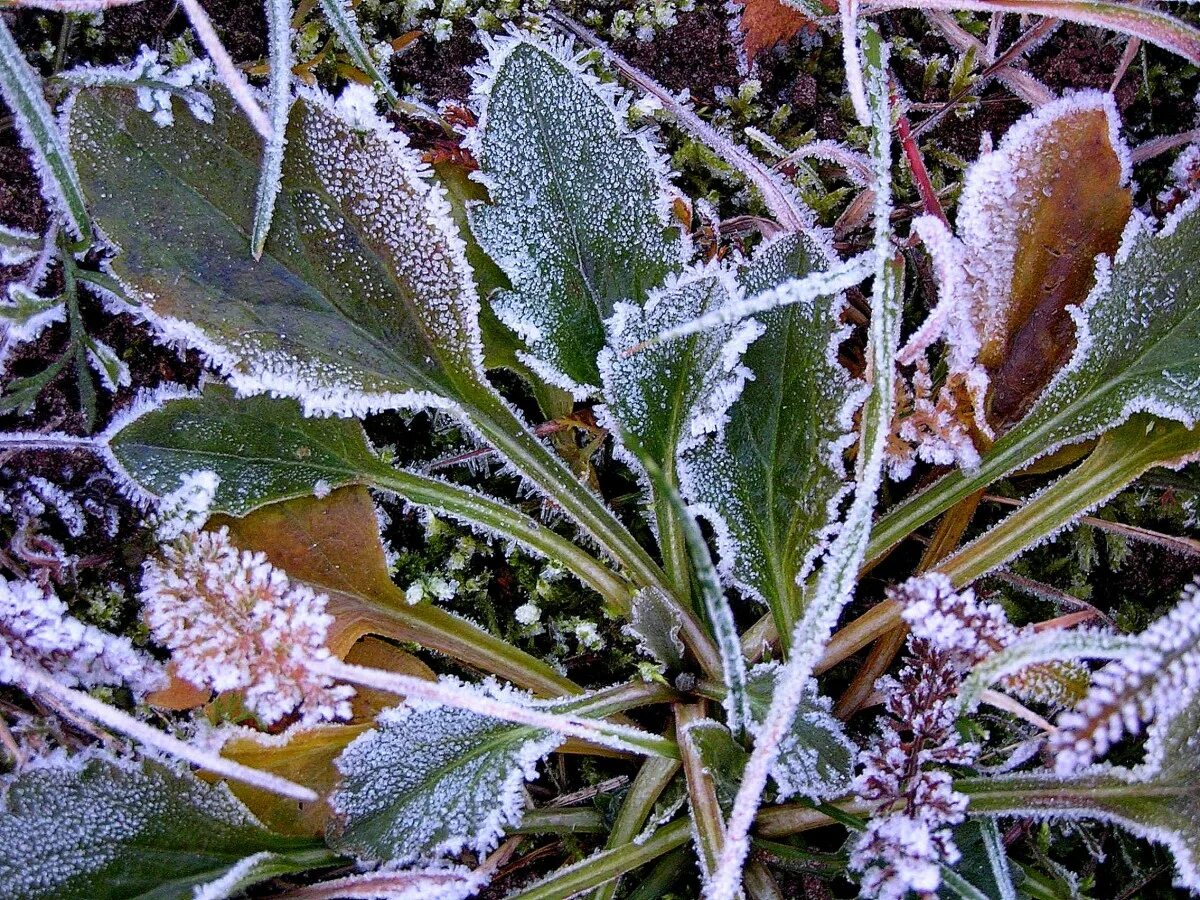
(816, 757)
(580, 212)
(656, 624)
(21, 89)
(107, 829)
(768, 478)
(1135, 352)
(363, 298)
(434, 780)
(984, 863)
(663, 397)
(265, 451)
(723, 758)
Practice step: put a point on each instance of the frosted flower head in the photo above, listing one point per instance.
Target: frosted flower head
(233, 621)
(37, 632)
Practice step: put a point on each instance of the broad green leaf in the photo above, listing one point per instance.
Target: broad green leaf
(432, 781)
(579, 215)
(262, 449)
(816, 757)
(663, 397)
(723, 757)
(265, 451)
(768, 478)
(1135, 352)
(363, 297)
(103, 829)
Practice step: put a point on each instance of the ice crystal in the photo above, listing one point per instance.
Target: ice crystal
(1154, 683)
(36, 631)
(186, 509)
(235, 622)
(155, 83)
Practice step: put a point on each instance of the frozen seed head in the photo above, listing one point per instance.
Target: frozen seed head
(1156, 683)
(37, 632)
(233, 621)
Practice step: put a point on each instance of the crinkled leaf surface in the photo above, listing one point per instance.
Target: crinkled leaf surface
(434, 780)
(816, 758)
(105, 830)
(767, 478)
(263, 449)
(363, 293)
(579, 216)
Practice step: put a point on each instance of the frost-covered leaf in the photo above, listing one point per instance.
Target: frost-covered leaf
(666, 397)
(1137, 334)
(579, 216)
(984, 863)
(1033, 216)
(767, 479)
(262, 449)
(279, 103)
(816, 758)
(656, 624)
(431, 781)
(102, 829)
(363, 297)
(723, 757)
(21, 89)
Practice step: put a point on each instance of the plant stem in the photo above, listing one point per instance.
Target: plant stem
(702, 791)
(596, 870)
(548, 820)
(473, 507)
(1119, 458)
(508, 434)
(652, 779)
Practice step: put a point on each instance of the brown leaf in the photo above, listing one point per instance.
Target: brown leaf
(305, 757)
(1074, 206)
(377, 654)
(765, 23)
(333, 544)
(178, 694)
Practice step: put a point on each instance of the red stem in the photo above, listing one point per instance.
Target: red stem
(917, 163)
